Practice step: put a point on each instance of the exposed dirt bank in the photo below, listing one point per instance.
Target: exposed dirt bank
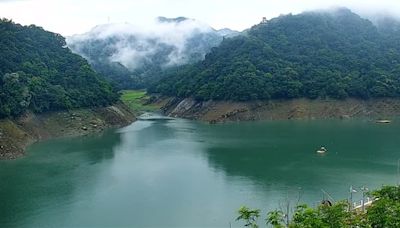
(17, 134)
(221, 111)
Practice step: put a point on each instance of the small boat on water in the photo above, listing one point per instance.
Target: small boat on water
(322, 150)
(383, 121)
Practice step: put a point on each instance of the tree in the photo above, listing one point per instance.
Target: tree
(37, 73)
(249, 216)
(385, 212)
(275, 218)
(313, 55)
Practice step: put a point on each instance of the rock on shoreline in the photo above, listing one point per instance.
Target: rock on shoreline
(17, 134)
(222, 111)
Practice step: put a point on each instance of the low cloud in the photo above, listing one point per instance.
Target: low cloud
(134, 46)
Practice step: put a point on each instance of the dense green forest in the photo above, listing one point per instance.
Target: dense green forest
(384, 212)
(38, 73)
(319, 54)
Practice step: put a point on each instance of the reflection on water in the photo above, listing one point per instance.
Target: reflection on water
(282, 154)
(179, 173)
(47, 178)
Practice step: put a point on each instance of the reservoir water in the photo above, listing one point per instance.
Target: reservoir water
(181, 173)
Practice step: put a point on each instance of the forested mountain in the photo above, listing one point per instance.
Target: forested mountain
(133, 57)
(316, 54)
(39, 73)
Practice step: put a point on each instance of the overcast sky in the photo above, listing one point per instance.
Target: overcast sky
(78, 16)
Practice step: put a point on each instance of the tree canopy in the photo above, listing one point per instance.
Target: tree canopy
(320, 54)
(38, 73)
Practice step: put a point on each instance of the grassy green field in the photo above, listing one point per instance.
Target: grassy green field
(136, 100)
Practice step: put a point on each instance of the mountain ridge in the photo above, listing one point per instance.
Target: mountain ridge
(39, 73)
(315, 54)
(132, 57)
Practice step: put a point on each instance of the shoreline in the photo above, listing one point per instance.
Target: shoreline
(228, 111)
(19, 133)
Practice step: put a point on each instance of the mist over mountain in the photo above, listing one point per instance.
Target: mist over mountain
(317, 54)
(226, 32)
(386, 24)
(132, 56)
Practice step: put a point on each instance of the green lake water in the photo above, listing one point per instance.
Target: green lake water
(180, 173)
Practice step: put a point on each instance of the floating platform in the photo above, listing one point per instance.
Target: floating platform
(383, 121)
(322, 150)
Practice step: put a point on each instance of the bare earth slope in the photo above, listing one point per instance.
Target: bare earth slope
(17, 134)
(220, 111)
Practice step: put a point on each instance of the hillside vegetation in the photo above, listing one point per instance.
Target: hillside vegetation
(138, 101)
(320, 54)
(132, 57)
(38, 73)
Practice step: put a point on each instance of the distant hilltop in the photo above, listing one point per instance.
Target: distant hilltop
(317, 54)
(172, 20)
(133, 56)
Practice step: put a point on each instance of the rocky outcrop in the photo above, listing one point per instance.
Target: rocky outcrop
(17, 134)
(221, 111)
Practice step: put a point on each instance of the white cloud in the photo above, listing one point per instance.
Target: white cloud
(77, 16)
(133, 46)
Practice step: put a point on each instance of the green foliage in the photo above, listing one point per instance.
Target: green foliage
(312, 55)
(336, 215)
(14, 95)
(38, 73)
(384, 212)
(249, 216)
(307, 217)
(276, 219)
(137, 100)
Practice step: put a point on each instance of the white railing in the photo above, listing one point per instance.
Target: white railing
(359, 205)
